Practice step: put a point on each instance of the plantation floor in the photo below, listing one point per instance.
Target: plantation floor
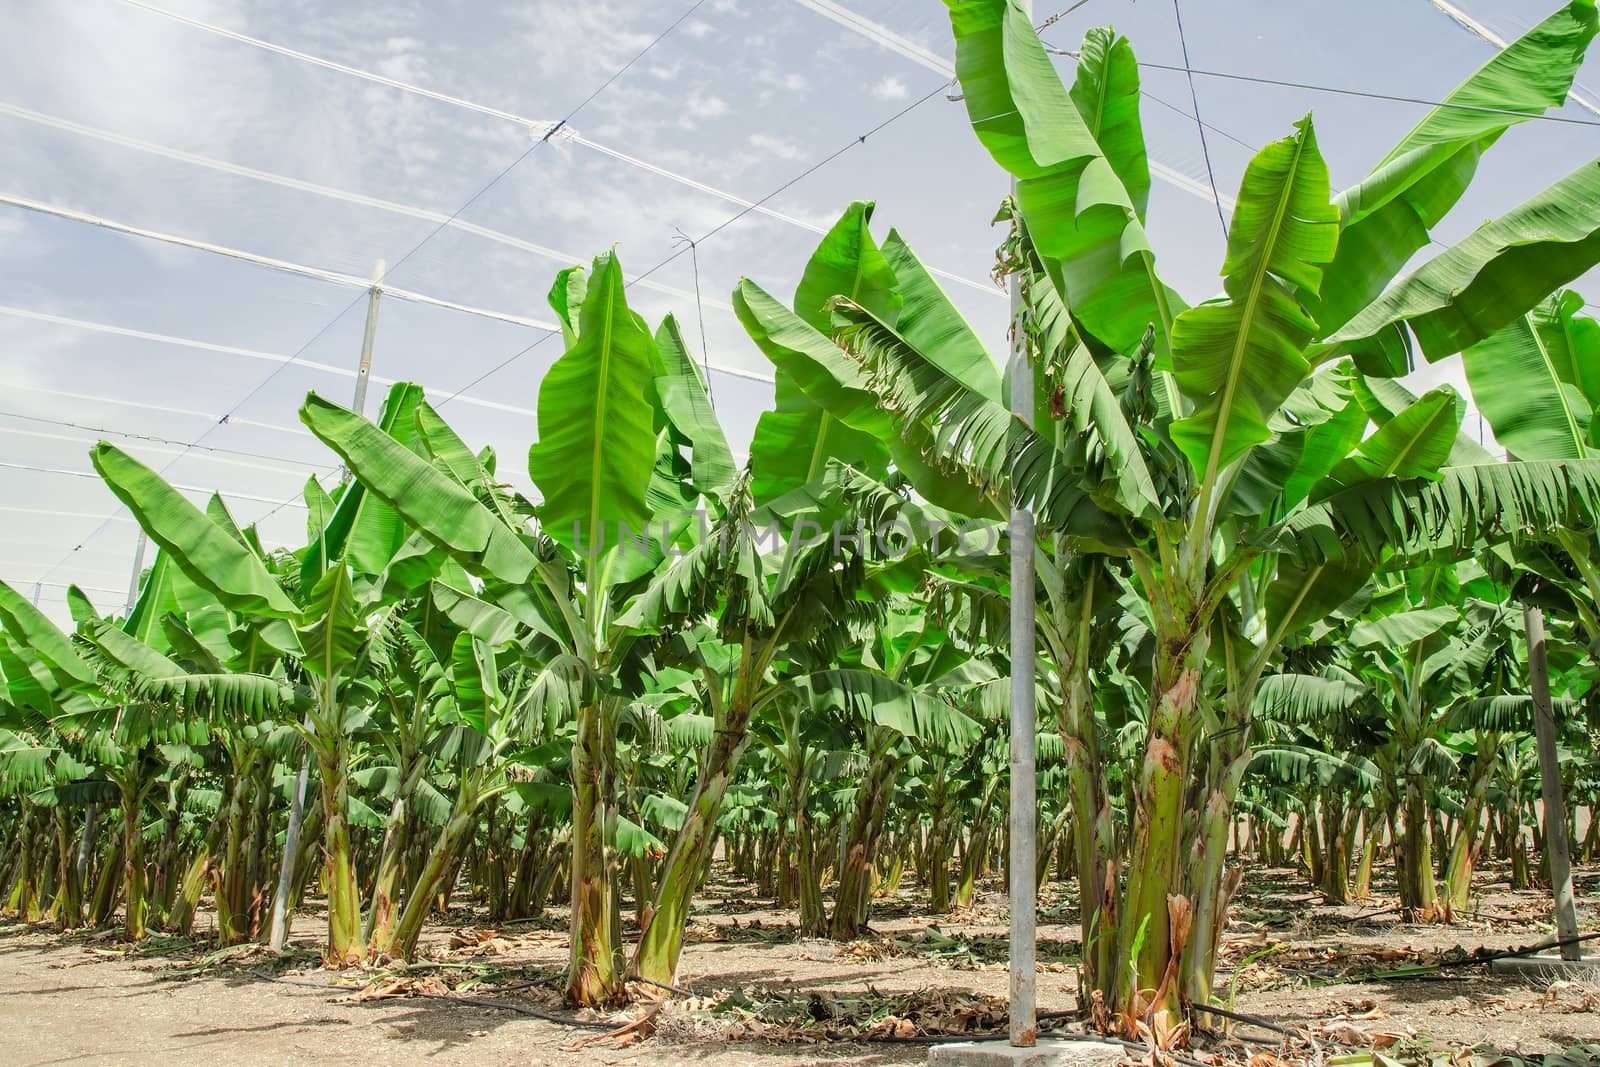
(84, 998)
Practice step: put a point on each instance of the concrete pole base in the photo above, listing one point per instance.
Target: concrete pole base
(1047, 1053)
(1548, 968)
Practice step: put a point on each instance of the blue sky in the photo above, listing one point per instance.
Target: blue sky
(111, 110)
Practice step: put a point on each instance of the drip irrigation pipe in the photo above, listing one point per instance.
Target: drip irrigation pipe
(1250, 1020)
(1428, 970)
(584, 1024)
(1518, 953)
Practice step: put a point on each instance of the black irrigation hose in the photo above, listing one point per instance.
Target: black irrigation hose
(1427, 970)
(663, 985)
(1250, 1020)
(1521, 953)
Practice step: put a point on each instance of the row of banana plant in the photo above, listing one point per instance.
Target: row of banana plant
(1275, 591)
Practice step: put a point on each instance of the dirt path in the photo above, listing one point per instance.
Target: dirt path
(63, 1004)
(86, 1000)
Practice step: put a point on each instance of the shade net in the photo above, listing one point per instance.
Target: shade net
(195, 196)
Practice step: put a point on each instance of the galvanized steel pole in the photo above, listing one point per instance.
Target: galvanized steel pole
(364, 369)
(1024, 811)
(297, 800)
(138, 571)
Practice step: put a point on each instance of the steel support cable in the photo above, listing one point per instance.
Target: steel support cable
(165, 409)
(313, 188)
(1194, 100)
(274, 357)
(284, 265)
(57, 513)
(208, 346)
(543, 128)
(67, 585)
(384, 272)
(1335, 90)
(94, 476)
(177, 453)
(155, 439)
(1488, 36)
(693, 243)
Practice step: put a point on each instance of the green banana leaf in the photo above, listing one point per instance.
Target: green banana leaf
(1525, 380)
(1237, 360)
(429, 500)
(1482, 284)
(597, 443)
(1388, 216)
(208, 555)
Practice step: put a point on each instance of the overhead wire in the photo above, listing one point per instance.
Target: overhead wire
(94, 476)
(700, 313)
(68, 585)
(156, 439)
(725, 223)
(386, 271)
(560, 131)
(1255, 79)
(165, 409)
(313, 188)
(180, 451)
(284, 265)
(275, 357)
(1194, 99)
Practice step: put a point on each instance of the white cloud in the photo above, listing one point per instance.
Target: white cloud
(777, 146)
(703, 106)
(697, 28)
(890, 88)
(789, 81)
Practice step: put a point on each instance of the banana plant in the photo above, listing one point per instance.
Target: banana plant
(891, 688)
(116, 699)
(1231, 551)
(609, 464)
(324, 636)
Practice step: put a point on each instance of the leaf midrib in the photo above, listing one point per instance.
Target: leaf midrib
(1247, 318)
(1556, 383)
(1416, 440)
(602, 401)
(818, 448)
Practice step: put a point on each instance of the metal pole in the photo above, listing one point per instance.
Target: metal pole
(1024, 811)
(138, 570)
(297, 800)
(364, 369)
(1555, 809)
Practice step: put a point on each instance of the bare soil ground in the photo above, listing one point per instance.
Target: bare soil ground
(763, 996)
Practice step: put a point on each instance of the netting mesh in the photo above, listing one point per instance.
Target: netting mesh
(155, 163)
